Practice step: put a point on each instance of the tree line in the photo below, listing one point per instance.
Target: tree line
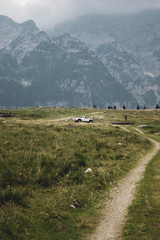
(124, 107)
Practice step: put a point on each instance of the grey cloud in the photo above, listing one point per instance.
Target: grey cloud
(47, 13)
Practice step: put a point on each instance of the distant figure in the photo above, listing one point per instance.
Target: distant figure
(125, 118)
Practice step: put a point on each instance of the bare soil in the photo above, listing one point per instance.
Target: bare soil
(116, 207)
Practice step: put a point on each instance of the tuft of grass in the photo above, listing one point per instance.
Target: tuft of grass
(14, 195)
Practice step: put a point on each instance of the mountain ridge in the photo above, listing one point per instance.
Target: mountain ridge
(39, 70)
(63, 71)
(138, 38)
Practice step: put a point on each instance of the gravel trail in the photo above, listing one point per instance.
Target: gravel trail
(121, 197)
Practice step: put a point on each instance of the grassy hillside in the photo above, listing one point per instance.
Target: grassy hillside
(144, 214)
(45, 192)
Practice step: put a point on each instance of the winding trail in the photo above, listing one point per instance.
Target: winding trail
(121, 197)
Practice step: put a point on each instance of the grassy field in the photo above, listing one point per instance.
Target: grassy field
(144, 214)
(45, 192)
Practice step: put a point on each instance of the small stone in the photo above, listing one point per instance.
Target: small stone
(72, 206)
(89, 170)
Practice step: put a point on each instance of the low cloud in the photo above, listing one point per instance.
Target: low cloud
(47, 13)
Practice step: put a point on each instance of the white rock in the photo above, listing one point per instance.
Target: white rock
(89, 170)
(119, 144)
(72, 206)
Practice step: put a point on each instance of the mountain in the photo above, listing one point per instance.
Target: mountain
(129, 47)
(137, 32)
(37, 70)
(125, 67)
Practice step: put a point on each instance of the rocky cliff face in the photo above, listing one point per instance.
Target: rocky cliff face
(37, 70)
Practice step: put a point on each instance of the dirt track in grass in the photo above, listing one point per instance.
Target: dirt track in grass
(116, 208)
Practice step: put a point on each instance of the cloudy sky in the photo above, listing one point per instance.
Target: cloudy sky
(47, 13)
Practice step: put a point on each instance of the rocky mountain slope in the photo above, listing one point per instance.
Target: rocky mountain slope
(129, 47)
(125, 67)
(137, 32)
(37, 70)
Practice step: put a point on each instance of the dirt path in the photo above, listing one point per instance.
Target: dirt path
(41, 121)
(121, 197)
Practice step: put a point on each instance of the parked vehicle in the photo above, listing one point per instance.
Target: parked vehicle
(83, 119)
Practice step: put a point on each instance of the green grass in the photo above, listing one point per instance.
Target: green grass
(48, 113)
(153, 128)
(144, 214)
(45, 192)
